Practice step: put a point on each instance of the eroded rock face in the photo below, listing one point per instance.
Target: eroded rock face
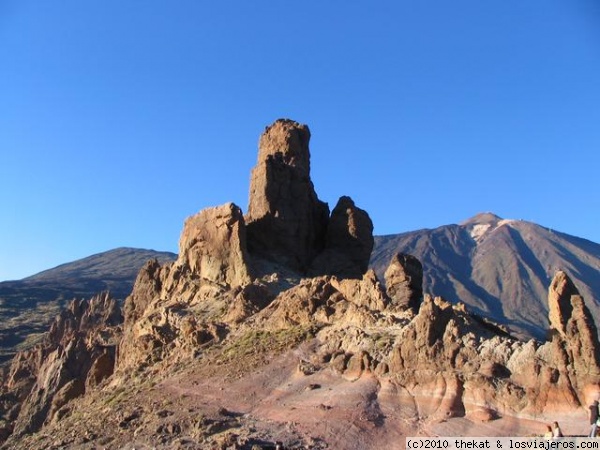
(559, 301)
(404, 281)
(576, 332)
(348, 244)
(286, 221)
(212, 267)
(581, 337)
(213, 246)
(77, 352)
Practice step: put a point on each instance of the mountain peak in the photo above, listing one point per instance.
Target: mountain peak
(482, 223)
(484, 218)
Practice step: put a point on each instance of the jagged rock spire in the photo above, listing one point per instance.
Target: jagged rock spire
(559, 301)
(286, 221)
(571, 318)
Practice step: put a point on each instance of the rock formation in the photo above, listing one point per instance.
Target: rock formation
(77, 354)
(559, 301)
(220, 325)
(213, 246)
(404, 281)
(348, 243)
(286, 221)
(575, 327)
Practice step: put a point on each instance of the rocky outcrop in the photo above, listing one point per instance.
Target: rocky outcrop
(76, 355)
(581, 339)
(449, 362)
(213, 246)
(286, 221)
(213, 265)
(559, 302)
(575, 330)
(404, 281)
(348, 244)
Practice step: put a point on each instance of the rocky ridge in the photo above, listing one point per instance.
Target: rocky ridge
(74, 357)
(28, 306)
(269, 327)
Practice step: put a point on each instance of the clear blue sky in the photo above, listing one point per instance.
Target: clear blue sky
(120, 119)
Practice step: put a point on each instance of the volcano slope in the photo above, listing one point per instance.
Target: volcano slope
(499, 268)
(269, 328)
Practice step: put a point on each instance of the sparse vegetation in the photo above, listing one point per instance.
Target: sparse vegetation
(256, 346)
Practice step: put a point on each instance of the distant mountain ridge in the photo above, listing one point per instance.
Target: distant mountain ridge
(27, 306)
(499, 267)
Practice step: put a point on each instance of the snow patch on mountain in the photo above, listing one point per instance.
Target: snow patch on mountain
(479, 230)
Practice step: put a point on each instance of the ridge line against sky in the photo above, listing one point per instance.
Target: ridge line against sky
(118, 121)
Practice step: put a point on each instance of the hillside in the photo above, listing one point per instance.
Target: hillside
(28, 306)
(499, 268)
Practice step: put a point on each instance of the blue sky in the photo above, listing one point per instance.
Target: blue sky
(120, 119)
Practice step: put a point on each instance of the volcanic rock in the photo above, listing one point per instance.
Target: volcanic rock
(213, 264)
(348, 244)
(576, 332)
(147, 286)
(559, 301)
(45, 378)
(213, 246)
(286, 221)
(404, 281)
(364, 292)
(206, 334)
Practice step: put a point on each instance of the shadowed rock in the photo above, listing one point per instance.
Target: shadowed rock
(348, 244)
(286, 221)
(77, 352)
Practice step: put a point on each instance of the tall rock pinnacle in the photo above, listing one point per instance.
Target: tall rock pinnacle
(286, 221)
(559, 301)
(573, 322)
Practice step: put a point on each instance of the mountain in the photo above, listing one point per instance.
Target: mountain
(28, 306)
(270, 331)
(500, 268)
